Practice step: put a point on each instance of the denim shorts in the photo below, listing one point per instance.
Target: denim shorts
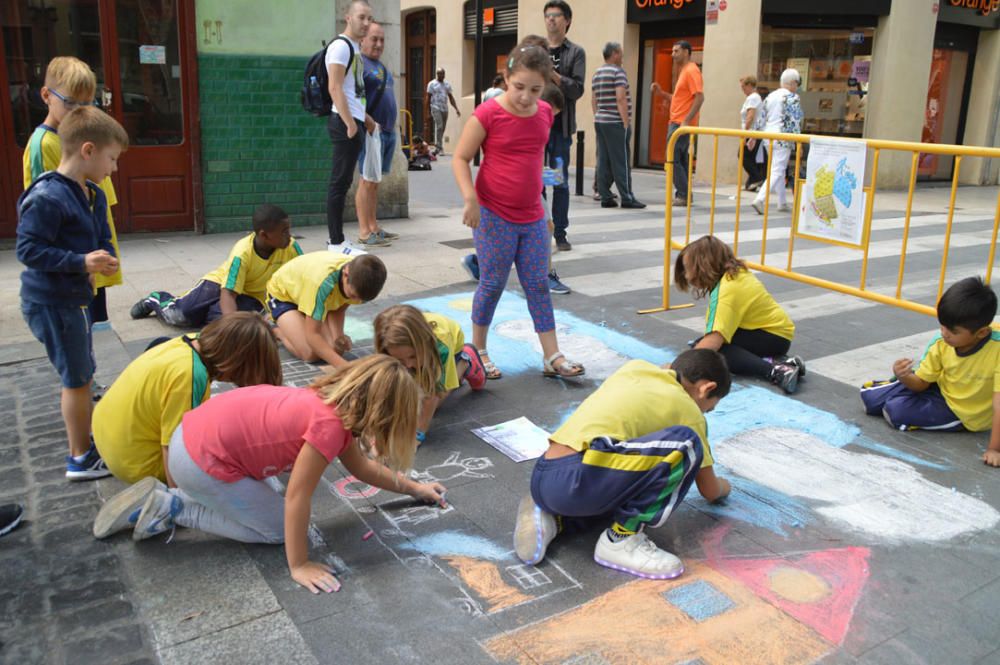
(388, 150)
(279, 307)
(65, 332)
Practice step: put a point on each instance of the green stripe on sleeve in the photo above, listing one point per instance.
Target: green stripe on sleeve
(199, 379)
(234, 273)
(36, 159)
(298, 250)
(713, 304)
(325, 289)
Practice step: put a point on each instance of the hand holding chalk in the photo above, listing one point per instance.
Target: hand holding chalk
(902, 367)
(430, 493)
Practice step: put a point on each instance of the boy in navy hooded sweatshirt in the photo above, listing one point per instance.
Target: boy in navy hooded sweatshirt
(63, 239)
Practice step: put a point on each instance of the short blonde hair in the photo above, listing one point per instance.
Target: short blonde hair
(72, 77)
(377, 399)
(88, 124)
(749, 80)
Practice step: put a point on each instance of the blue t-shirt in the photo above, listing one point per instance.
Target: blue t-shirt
(375, 73)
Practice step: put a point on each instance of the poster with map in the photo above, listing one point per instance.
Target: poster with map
(833, 201)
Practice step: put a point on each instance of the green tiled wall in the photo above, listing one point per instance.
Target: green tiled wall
(258, 145)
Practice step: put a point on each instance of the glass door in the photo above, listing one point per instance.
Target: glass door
(143, 69)
(34, 32)
(146, 94)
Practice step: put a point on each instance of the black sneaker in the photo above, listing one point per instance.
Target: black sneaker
(10, 517)
(785, 376)
(798, 362)
(634, 203)
(610, 203)
(555, 286)
(563, 245)
(141, 309)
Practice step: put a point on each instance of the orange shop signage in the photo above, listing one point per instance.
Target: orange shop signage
(984, 7)
(673, 4)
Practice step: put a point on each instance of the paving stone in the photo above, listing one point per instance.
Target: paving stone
(122, 641)
(85, 619)
(86, 593)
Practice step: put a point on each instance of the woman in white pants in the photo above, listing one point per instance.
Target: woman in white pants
(782, 112)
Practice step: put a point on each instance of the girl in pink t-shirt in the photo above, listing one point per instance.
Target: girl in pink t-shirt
(224, 451)
(504, 206)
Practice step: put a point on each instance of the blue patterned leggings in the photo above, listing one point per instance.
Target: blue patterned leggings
(500, 244)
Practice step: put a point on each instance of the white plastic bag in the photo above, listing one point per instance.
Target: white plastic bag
(371, 170)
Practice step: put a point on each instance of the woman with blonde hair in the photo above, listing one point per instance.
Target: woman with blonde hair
(364, 413)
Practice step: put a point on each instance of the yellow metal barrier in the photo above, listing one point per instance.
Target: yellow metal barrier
(877, 146)
(405, 114)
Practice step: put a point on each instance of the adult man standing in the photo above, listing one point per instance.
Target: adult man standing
(347, 90)
(438, 96)
(381, 106)
(612, 104)
(569, 66)
(685, 102)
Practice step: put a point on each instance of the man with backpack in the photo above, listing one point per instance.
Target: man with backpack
(345, 72)
(382, 108)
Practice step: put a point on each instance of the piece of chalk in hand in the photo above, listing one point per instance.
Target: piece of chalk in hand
(368, 535)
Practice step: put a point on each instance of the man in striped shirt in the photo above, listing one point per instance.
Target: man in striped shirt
(612, 105)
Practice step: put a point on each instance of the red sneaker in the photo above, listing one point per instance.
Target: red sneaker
(475, 375)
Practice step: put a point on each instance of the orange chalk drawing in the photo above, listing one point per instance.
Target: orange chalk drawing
(724, 610)
(636, 623)
(483, 578)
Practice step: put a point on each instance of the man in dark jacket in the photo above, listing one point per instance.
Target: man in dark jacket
(569, 67)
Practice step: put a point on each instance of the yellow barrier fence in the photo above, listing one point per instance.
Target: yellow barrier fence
(788, 272)
(407, 129)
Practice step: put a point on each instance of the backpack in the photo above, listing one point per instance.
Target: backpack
(316, 82)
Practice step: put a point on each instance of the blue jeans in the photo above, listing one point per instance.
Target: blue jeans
(558, 146)
(680, 160)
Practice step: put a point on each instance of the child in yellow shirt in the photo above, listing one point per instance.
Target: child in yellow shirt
(956, 385)
(70, 83)
(743, 322)
(239, 284)
(631, 450)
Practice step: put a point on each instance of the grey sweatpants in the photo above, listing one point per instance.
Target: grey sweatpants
(247, 510)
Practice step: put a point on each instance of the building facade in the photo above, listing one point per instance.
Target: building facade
(209, 93)
(859, 61)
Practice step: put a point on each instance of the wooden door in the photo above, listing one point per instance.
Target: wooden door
(421, 57)
(146, 79)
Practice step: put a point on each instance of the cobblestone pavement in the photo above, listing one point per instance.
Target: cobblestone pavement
(63, 598)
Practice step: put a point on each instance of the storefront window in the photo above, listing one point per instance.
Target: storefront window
(835, 67)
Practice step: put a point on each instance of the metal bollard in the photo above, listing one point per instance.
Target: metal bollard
(579, 163)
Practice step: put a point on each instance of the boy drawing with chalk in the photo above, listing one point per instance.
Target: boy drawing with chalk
(631, 450)
(956, 385)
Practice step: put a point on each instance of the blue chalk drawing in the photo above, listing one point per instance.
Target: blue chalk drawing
(758, 505)
(751, 407)
(455, 543)
(865, 442)
(699, 600)
(516, 356)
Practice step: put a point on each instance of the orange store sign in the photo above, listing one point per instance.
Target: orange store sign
(984, 7)
(674, 4)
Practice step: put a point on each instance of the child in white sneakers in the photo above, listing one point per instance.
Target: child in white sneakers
(632, 450)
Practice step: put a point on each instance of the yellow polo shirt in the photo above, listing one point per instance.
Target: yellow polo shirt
(312, 282)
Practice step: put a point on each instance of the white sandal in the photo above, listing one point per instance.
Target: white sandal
(492, 371)
(566, 369)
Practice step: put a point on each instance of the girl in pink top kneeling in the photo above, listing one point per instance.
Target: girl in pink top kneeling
(221, 454)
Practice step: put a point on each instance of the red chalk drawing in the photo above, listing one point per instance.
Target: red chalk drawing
(352, 488)
(819, 589)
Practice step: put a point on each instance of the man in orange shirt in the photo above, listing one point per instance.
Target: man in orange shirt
(685, 102)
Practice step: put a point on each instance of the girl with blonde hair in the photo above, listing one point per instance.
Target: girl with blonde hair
(433, 347)
(364, 413)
